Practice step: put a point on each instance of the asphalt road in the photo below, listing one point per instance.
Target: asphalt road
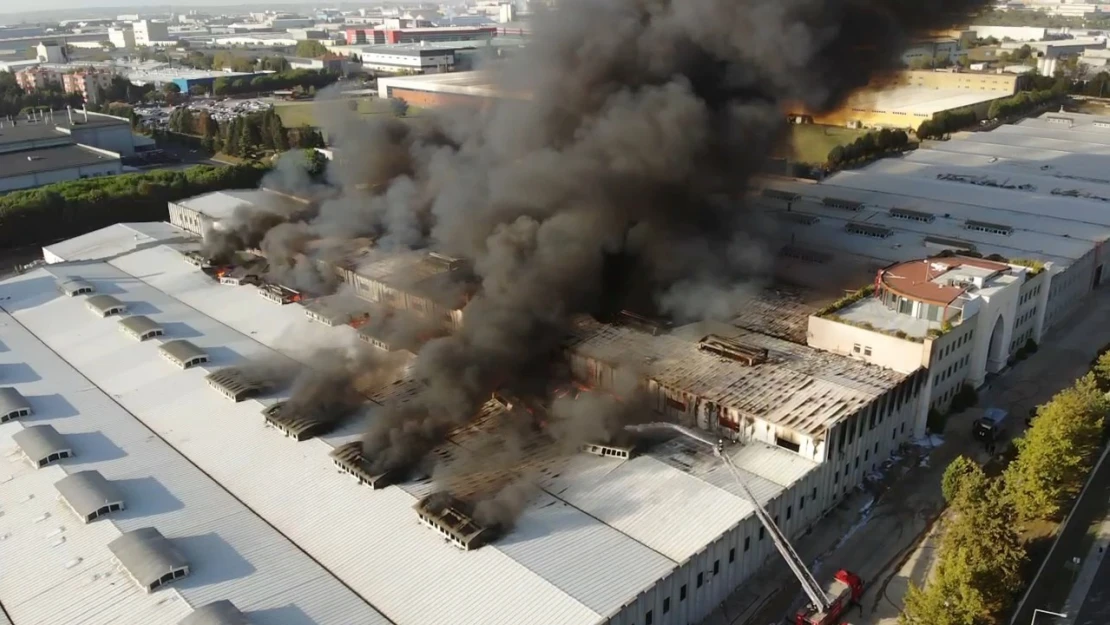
(1096, 608)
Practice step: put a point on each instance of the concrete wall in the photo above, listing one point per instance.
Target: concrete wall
(1005, 84)
(886, 351)
(877, 431)
(1026, 325)
(38, 179)
(117, 138)
(950, 363)
(427, 99)
(1068, 286)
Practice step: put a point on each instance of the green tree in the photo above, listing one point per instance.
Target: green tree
(170, 87)
(1101, 371)
(1056, 452)
(400, 106)
(949, 598)
(960, 472)
(310, 49)
(836, 156)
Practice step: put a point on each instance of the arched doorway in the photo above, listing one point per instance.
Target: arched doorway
(996, 352)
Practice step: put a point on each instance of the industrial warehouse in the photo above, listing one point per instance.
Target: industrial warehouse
(135, 350)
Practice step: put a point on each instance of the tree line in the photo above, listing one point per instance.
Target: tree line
(947, 122)
(303, 78)
(245, 136)
(874, 143)
(66, 209)
(981, 554)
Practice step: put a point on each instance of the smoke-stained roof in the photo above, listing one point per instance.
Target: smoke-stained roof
(799, 387)
(65, 562)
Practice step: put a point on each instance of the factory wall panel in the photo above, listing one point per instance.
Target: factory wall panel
(428, 99)
(30, 181)
(113, 138)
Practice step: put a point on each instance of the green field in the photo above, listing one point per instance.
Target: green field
(294, 114)
(811, 142)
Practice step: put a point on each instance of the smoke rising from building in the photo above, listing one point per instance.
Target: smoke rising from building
(648, 120)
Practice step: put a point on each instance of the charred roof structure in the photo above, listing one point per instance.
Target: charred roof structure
(609, 451)
(75, 286)
(149, 558)
(89, 495)
(237, 383)
(140, 327)
(453, 519)
(42, 445)
(349, 459)
(339, 309)
(279, 294)
(12, 404)
(222, 612)
(183, 353)
(105, 305)
(240, 275)
(297, 423)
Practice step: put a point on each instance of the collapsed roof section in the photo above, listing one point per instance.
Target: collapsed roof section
(89, 495)
(149, 558)
(295, 423)
(350, 460)
(222, 612)
(453, 519)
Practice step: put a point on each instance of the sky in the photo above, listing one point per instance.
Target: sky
(11, 10)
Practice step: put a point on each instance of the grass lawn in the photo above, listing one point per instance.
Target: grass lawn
(812, 142)
(295, 114)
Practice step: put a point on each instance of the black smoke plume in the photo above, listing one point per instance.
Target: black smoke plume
(642, 126)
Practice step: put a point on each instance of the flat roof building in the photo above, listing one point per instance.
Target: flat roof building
(587, 547)
(1016, 218)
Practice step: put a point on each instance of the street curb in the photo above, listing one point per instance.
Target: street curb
(1059, 533)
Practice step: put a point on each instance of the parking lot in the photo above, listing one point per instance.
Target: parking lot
(221, 109)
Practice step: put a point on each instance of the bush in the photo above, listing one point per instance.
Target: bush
(847, 300)
(965, 398)
(936, 421)
(66, 209)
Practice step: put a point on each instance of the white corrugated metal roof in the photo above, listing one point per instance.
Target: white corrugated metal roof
(383, 553)
(221, 204)
(67, 576)
(112, 241)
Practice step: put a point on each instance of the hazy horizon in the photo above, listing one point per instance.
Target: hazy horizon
(12, 12)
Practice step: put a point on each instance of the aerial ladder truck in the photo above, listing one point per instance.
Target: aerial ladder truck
(826, 604)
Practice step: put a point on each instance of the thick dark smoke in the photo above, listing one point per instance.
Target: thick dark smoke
(646, 123)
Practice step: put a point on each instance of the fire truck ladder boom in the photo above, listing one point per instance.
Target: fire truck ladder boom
(812, 589)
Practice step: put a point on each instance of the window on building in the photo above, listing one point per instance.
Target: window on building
(716, 567)
(867, 350)
(876, 448)
(761, 532)
(747, 543)
(732, 555)
(802, 503)
(814, 496)
(857, 348)
(865, 452)
(648, 618)
(836, 477)
(789, 511)
(857, 460)
(676, 405)
(682, 593)
(666, 605)
(700, 579)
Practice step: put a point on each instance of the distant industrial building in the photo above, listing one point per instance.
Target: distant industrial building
(184, 78)
(51, 52)
(39, 152)
(458, 88)
(256, 39)
(407, 58)
(975, 246)
(149, 32)
(333, 63)
(416, 35)
(122, 37)
(916, 96)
